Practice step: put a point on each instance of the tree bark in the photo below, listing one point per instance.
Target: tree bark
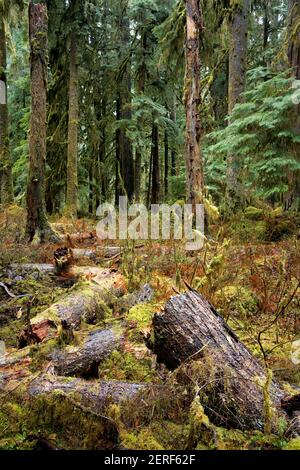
(232, 381)
(292, 198)
(141, 84)
(155, 187)
(124, 157)
(194, 164)
(6, 182)
(238, 36)
(72, 176)
(166, 173)
(84, 361)
(36, 207)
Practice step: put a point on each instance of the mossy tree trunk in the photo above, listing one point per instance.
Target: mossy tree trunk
(194, 164)
(238, 35)
(292, 198)
(155, 188)
(173, 152)
(124, 155)
(6, 193)
(166, 173)
(72, 176)
(141, 85)
(36, 207)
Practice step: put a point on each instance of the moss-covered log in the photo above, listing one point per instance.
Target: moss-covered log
(235, 387)
(85, 303)
(84, 360)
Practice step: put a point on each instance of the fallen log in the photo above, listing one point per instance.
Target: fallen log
(234, 385)
(96, 395)
(85, 303)
(74, 410)
(84, 361)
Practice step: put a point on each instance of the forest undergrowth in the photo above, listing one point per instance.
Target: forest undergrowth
(252, 280)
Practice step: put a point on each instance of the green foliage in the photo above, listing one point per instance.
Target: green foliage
(262, 136)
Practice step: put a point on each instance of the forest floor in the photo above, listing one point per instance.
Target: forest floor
(249, 270)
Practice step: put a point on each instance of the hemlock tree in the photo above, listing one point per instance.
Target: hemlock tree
(72, 161)
(194, 164)
(238, 33)
(36, 210)
(124, 154)
(6, 181)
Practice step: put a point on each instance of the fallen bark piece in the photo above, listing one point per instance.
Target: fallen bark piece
(233, 381)
(85, 303)
(84, 361)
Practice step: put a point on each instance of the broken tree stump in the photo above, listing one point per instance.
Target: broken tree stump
(84, 360)
(231, 379)
(85, 303)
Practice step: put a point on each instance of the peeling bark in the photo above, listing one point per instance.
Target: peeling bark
(194, 164)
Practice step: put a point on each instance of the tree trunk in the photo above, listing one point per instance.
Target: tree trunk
(36, 207)
(124, 160)
(233, 383)
(292, 198)
(238, 35)
(155, 188)
(166, 174)
(194, 164)
(6, 184)
(173, 152)
(72, 176)
(141, 84)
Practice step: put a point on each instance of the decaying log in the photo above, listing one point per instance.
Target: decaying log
(232, 380)
(96, 395)
(85, 303)
(84, 360)
(78, 405)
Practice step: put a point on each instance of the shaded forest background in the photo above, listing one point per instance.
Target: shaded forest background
(116, 107)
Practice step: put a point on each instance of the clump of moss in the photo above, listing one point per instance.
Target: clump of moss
(253, 213)
(142, 440)
(201, 433)
(125, 366)
(139, 319)
(294, 444)
(170, 435)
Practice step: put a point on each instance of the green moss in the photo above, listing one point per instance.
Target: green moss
(125, 366)
(143, 440)
(10, 333)
(253, 213)
(139, 319)
(294, 444)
